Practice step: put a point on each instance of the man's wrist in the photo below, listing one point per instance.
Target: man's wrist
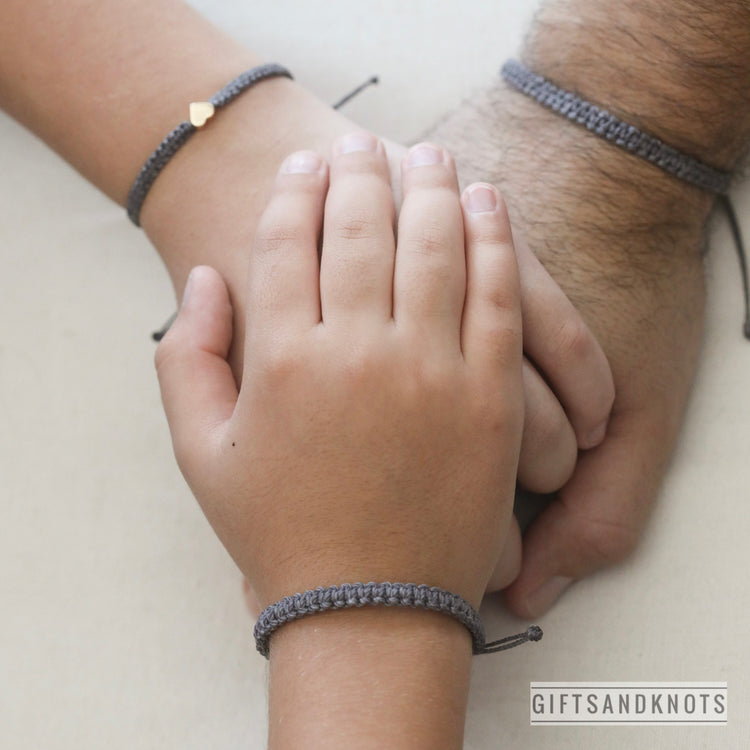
(369, 677)
(683, 76)
(597, 185)
(567, 190)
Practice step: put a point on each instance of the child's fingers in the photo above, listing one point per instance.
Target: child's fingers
(491, 336)
(430, 276)
(197, 385)
(356, 266)
(283, 294)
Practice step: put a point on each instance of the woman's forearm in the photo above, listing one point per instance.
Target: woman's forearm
(103, 82)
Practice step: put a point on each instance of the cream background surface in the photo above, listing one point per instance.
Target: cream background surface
(122, 623)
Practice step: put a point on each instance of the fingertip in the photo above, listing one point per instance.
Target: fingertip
(427, 166)
(480, 198)
(357, 141)
(425, 155)
(304, 162)
(595, 437)
(205, 311)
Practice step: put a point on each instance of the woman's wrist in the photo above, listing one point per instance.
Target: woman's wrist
(204, 206)
(369, 677)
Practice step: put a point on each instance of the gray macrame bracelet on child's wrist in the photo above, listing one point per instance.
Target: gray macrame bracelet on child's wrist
(200, 113)
(388, 595)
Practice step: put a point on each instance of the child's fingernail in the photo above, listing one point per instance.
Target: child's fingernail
(302, 162)
(481, 199)
(355, 142)
(424, 155)
(187, 291)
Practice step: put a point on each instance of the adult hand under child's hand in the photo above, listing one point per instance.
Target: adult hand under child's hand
(204, 208)
(377, 427)
(567, 381)
(623, 241)
(568, 387)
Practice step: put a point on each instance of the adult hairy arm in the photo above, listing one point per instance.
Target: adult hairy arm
(621, 237)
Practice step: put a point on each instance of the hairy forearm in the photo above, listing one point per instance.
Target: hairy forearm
(677, 68)
(680, 70)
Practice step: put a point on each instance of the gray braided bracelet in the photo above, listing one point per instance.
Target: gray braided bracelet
(635, 141)
(609, 127)
(385, 594)
(199, 113)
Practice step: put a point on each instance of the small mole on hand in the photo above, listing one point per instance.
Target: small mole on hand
(232, 445)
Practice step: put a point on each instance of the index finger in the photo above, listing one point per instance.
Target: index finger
(564, 350)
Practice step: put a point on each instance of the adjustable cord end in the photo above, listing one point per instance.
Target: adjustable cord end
(532, 633)
(372, 81)
(162, 332)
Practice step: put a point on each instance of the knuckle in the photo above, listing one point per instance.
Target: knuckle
(607, 540)
(431, 377)
(574, 341)
(430, 240)
(499, 293)
(355, 225)
(276, 236)
(360, 365)
(278, 362)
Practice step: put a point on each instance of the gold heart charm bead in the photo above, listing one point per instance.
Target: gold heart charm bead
(200, 112)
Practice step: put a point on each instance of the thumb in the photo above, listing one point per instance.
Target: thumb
(597, 517)
(197, 386)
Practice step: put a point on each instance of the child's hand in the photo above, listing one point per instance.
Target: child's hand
(376, 432)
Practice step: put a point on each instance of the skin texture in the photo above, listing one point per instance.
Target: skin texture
(621, 238)
(386, 380)
(205, 207)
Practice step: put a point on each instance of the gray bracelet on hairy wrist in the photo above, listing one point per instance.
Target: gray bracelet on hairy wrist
(386, 594)
(606, 125)
(635, 141)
